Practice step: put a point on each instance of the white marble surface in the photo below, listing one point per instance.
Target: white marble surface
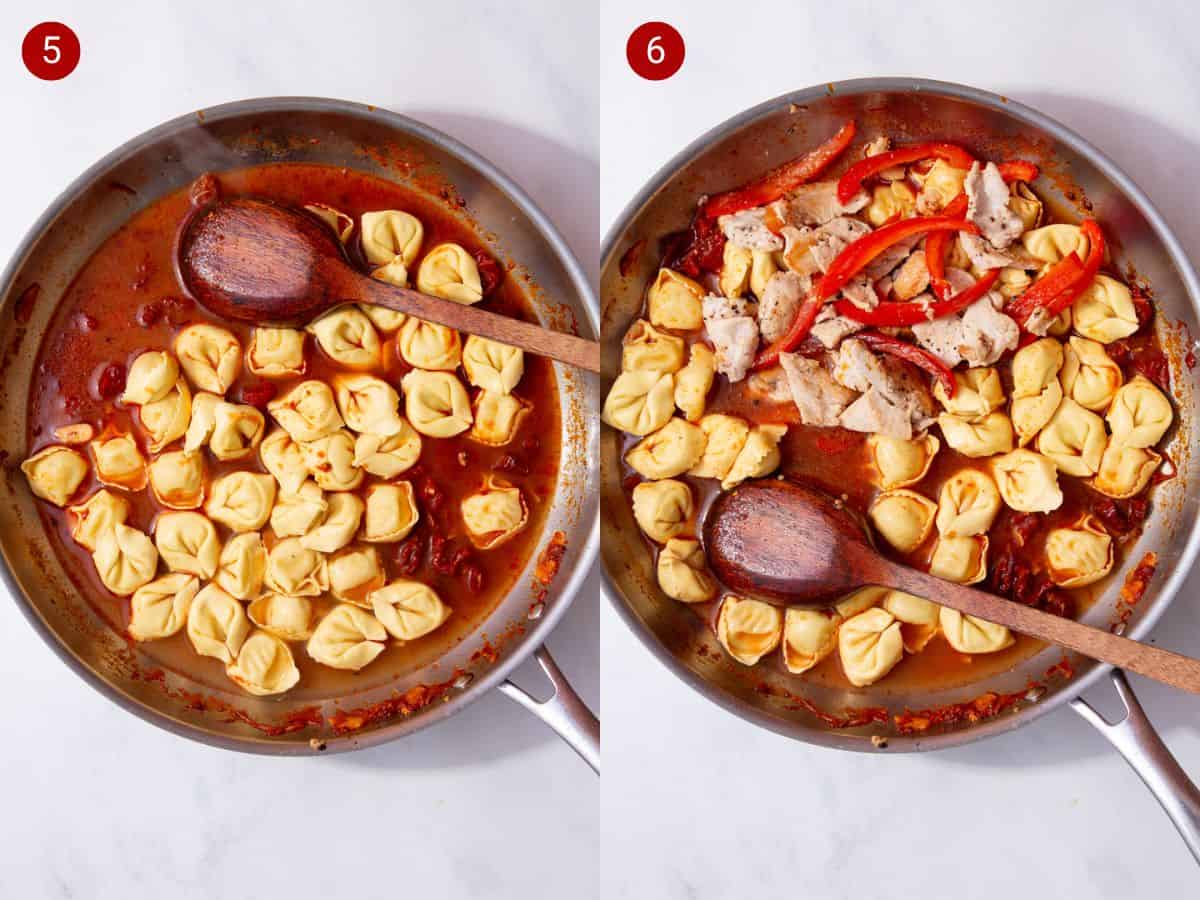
(98, 804)
(697, 803)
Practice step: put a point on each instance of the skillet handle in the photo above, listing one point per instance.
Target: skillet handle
(563, 711)
(1137, 741)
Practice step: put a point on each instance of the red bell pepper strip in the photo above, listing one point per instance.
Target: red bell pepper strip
(797, 332)
(1018, 170)
(905, 314)
(851, 183)
(859, 254)
(935, 249)
(779, 181)
(1052, 301)
(1062, 275)
(918, 356)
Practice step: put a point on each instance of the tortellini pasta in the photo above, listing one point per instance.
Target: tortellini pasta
(1089, 376)
(748, 629)
(989, 436)
(917, 616)
(735, 269)
(237, 431)
(276, 352)
(1140, 414)
(427, 345)
(1105, 312)
(216, 624)
(722, 437)
(682, 572)
(494, 513)
(408, 609)
(330, 460)
(977, 392)
(264, 666)
(307, 412)
(167, 419)
(904, 518)
(899, 463)
(968, 504)
(210, 357)
(436, 403)
(675, 302)
(283, 458)
(290, 618)
(202, 421)
(387, 457)
(388, 234)
(694, 381)
(97, 515)
(645, 348)
(151, 377)
(761, 270)
(1026, 205)
(640, 401)
(346, 336)
(241, 500)
(1074, 439)
(1125, 471)
(354, 573)
(298, 513)
(242, 566)
(178, 479)
(55, 473)
(385, 319)
(1027, 481)
(1079, 555)
(497, 418)
(759, 455)
(160, 608)
(491, 365)
(118, 461)
(869, 646)
(968, 634)
(295, 570)
(187, 542)
(1037, 392)
(339, 525)
(347, 638)
(341, 223)
(668, 452)
(809, 635)
(941, 184)
(1051, 243)
(889, 202)
(391, 512)
(663, 509)
(960, 559)
(450, 272)
(125, 559)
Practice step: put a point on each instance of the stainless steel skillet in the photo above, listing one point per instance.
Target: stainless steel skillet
(1077, 173)
(337, 133)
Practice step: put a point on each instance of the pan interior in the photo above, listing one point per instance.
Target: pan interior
(237, 136)
(1079, 183)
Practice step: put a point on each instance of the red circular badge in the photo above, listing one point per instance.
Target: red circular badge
(50, 51)
(655, 51)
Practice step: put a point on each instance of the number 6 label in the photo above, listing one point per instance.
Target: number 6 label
(655, 51)
(50, 51)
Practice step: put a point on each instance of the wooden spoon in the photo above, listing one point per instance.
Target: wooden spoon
(259, 262)
(792, 545)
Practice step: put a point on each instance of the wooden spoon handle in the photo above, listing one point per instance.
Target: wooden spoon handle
(1161, 665)
(574, 351)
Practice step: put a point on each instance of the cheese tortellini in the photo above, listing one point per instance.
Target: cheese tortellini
(264, 666)
(210, 357)
(977, 392)
(97, 515)
(1089, 375)
(758, 456)
(682, 572)
(337, 529)
(283, 458)
(241, 500)
(55, 473)
(967, 504)
(388, 457)
(1140, 414)
(903, 518)
(391, 512)
(645, 348)
(960, 559)
(330, 460)
(640, 401)
(160, 608)
(151, 377)
(436, 403)
(390, 234)
(722, 438)
(296, 514)
(494, 513)
(1074, 439)
(354, 573)
(1105, 312)
(178, 479)
(307, 412)
(427, 345)
(869, 645)
(748, 629)
(187, 542)
(899, 463)
(450, 272)
(347, 638)
(166, 420)
(1027, 481)
(988, 436)
(295, 570)
(1079, 555)
(668, 452)
(288, 617)
(125, 559)
(917, 616)
(968, 634)
(347, 337)
(694, 381)
(276, 352)
(408, 609)
(1037, 392)
(491, 365)
(675, 302)
(663, 509)
(217, 625)
(242, 565)
(497, 418)
(1125, 471)
(1051, 243)
(809, 635)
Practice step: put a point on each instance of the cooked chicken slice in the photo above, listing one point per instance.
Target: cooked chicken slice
(984, 256)
(889, 383)
(717, 307)
(769, 385)
(748, 229)
(980, 334)
(779, 303)
(735, 341)
(893, 256)
(830, 328)
(816, 204)
(856, 367)
(987, 205)
(861, 292)
(874, 413)
(911, 278)
(820, 399)
(833, 237)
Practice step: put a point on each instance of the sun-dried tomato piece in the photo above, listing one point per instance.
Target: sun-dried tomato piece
(490, 273)
(409, 554)
(111, 381)
(473, 576)
(259, 394)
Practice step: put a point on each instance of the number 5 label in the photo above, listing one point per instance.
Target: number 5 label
(655, 51)
(50, 51)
